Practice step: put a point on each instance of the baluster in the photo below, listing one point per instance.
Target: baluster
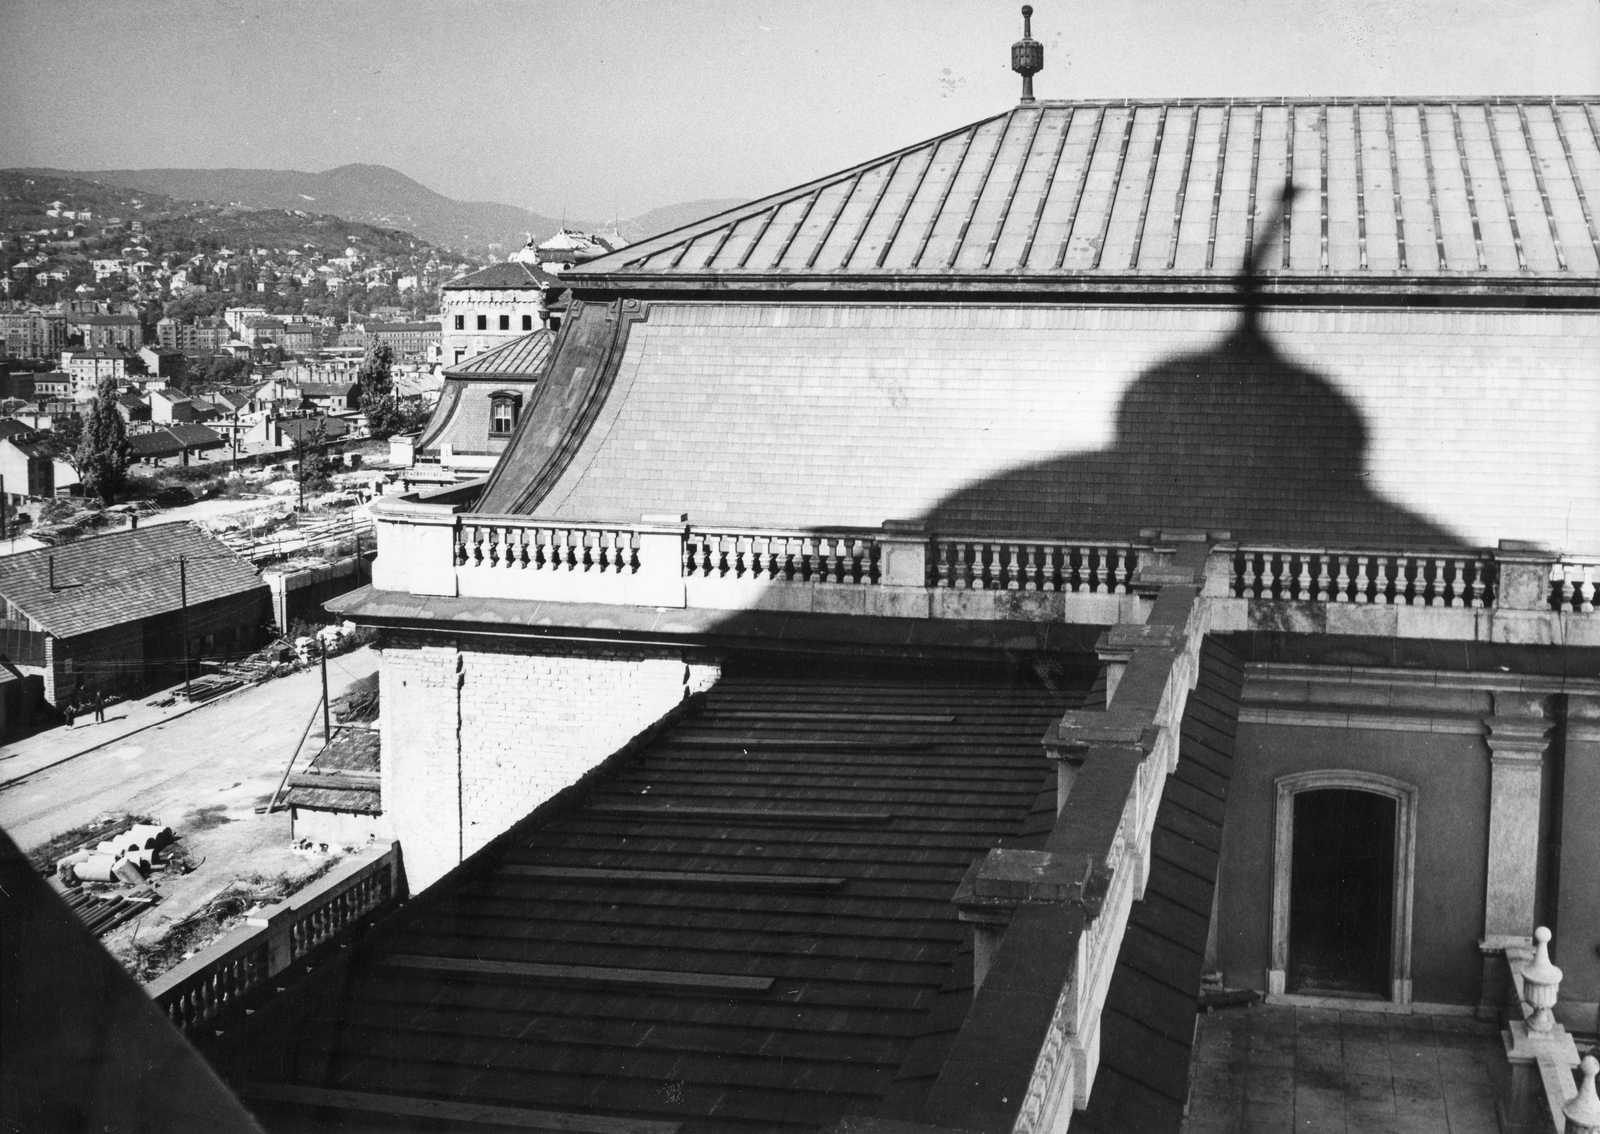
(1458, 585)
(835, 560)
(1380, 580)
(1121, 571)
(1012, 568)
(496, 541)
(1363, 583)
(942, 571)
(741, 556)
(1564, 591)
(1324, 580)
(1410, 588)
(1341, 583)
(963, 573)
(1303, 593)
(1269, 575)
(859, 569)
(1586, 592)
(1479, 583)
(459, 544)
(1033, 575)
(1438, 589)
(992, 567)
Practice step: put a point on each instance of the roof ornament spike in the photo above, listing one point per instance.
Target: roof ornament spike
(1027, 54)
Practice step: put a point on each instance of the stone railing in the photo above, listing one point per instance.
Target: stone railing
(1378, 577)
(1573, 584)
(515, 543)
(205, 992)
(1539, 1094)
(1073, 566)
(851, 558)
(1513, 593)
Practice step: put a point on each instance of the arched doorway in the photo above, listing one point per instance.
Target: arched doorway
(1342, 884)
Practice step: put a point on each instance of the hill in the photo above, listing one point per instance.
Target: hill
(669, 217)
(374, 195)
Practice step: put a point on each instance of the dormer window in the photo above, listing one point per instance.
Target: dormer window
(503, 408)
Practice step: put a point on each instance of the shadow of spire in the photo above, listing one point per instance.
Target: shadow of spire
(1236, 437)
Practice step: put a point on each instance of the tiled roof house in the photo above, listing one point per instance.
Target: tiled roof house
(926, 618)
(119, 612)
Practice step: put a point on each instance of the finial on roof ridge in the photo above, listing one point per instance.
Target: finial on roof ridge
(1027, 54)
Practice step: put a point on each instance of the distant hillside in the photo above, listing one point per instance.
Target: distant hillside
(375, 195)
(370, 194)
(669, 217)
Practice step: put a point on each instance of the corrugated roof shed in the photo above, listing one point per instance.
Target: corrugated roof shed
(746, 928)
(123, 577)
(1389, 190)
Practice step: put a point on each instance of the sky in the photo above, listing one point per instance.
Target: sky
(593, 108)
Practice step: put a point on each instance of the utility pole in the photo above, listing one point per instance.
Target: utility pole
(327, 727)
(2, 507)
(183, 599)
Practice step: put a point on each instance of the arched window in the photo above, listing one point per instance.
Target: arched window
(503, 408)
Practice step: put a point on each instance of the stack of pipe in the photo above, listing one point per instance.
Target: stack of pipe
(127, 857)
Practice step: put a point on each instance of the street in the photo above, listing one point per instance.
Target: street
(203, 774)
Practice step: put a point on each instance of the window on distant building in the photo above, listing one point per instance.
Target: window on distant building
(483, 322)
(505, 322)
(527, 322)
(461, 322)
(503, 405)
(460, 354)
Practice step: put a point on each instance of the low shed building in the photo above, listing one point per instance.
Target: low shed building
(120, 613)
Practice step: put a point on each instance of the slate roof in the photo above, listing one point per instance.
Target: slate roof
(123, 577)
(507, 274)
(746, 927)
(461, 418)
(10, 427)
(1434, 190)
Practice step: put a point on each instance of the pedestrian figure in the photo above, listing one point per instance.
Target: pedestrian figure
(99, 707)
(71, 713)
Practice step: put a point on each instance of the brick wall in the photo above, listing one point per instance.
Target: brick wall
(478, 733)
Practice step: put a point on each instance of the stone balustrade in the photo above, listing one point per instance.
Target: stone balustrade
(427, 545)
(848, 558)
(1572, 585)
(202, 994)
(1381, 578)
(1072, 566)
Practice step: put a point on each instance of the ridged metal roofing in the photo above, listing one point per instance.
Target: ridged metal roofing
(1386, 189)
(523, 357)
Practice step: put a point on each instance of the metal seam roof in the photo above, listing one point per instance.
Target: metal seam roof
(1480, 188)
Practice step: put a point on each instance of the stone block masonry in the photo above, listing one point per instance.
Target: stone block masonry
(479, 732)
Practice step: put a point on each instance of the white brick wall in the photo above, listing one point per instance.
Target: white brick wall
(510, 728)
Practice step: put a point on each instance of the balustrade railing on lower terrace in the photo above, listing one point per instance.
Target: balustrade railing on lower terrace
(208, 990)
(902, 569)
(1074, 566)
(1377, 577)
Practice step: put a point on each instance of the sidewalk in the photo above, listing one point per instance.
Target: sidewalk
(57, 745)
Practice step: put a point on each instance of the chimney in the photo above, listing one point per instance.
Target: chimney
(1027, 54)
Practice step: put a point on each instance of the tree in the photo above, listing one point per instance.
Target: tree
(104, 453)
(311, 453)
(385, 416)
